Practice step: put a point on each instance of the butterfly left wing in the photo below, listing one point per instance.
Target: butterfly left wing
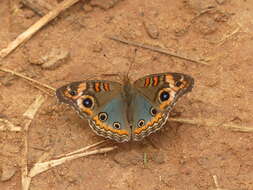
(102, 103)
(154, 97)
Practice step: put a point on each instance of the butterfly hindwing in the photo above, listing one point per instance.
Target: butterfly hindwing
(146, 118)
(101, 103)
(111, 121)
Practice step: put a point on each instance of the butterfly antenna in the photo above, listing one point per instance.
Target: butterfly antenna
(131, 63)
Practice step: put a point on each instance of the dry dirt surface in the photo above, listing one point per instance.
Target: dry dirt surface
(75, 46)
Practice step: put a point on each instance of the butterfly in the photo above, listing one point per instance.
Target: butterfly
(127, 111)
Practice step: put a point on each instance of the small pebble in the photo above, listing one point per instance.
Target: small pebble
(104, 4)
(200, 5)
(133, 159)
(29, 14)
(97, 47)
(207, 26)
(7, 172)
(87, 8)
(55, 58)
(7, 80)
(152, 29)
(220, 1)
(158, 157)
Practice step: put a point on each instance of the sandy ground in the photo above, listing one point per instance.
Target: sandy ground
(181, 156)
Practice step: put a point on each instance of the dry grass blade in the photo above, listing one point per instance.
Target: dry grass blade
(41, 167)
(82, 149)
(227, 36)
(5, 125)
(33, 108)
(37, 26)
(27, 78)
(217, 186)
(156, 49)
(212, 123)
(29, 114)
(215, 179)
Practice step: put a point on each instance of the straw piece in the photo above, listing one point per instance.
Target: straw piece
(26, 35)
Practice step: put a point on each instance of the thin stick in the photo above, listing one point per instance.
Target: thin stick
(212, 123)
(215, 179)
(6, 125)
(27, 78)
(42, 89)
(82, 149)
(156, 49)
(29, 115)
(44, 166)
(227, 36)
(36, 27)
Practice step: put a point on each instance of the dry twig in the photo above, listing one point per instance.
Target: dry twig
(29, 115)
(212, 123)
(44, 166)
(6, 125)
(156, 49)
(36, 27)
(27, 78)
(227, 36)
(82, 149)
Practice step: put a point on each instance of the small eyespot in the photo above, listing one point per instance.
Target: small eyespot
(116, 125)
(164, 96)
(153, 111)
(141, 123)
(178, 83)
(72, 92)
(87, 102)
(102, 116)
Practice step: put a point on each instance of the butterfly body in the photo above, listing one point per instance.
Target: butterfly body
(128, 111)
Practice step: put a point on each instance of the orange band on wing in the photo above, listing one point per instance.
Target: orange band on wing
(87, 111)
(108, 128)
(155, 80)
(150, 123)
(81, 87)
(106, 86)
(147, 81)
(97, 87)
(169, 79)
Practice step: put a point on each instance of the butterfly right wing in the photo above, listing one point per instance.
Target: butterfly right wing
(155, 96)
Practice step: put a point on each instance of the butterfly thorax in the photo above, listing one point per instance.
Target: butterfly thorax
(128, 93)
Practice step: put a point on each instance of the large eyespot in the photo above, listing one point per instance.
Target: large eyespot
(87, 102)
(178, 83)
(153, 111)
(102, 116)
(116, 125)
(164, 96)
(141, 123)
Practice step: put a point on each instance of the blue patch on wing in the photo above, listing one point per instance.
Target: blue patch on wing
(141, 110)
(116, 112)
